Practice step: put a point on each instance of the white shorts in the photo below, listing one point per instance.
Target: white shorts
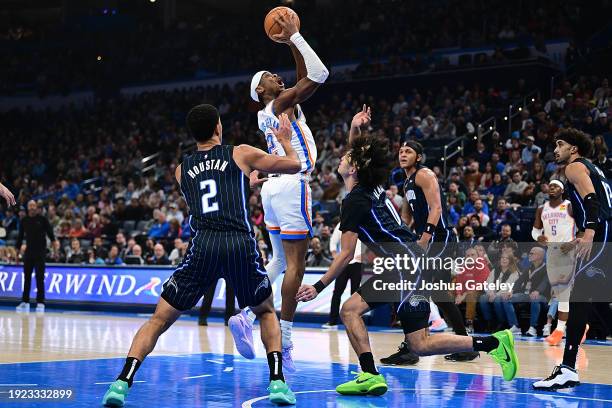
(287, 205)
(560, 268)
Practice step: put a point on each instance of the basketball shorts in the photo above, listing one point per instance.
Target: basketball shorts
(560, 268)
(231, 255)
(287, 206)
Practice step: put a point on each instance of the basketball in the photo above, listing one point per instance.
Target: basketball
(272, 27)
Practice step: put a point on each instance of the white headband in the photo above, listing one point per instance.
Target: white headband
(255, 83)
(558, 183)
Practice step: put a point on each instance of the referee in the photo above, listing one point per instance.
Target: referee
(34, 226)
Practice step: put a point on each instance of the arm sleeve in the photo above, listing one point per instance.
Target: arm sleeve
(315, 69)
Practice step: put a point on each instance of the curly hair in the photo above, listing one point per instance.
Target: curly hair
(370, 155)
(577, 138)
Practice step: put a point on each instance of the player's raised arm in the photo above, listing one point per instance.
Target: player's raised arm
(361, 119)
(316, 72)
(250, 158)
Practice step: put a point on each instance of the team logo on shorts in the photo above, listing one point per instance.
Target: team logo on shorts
(416, 299)
(172, 283)
(592, 271)
(263, 285)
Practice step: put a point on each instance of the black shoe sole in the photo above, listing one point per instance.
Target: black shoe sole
(460, 357)
(399, 363)
(569, 384)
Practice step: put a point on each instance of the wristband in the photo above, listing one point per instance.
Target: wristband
(430, 228)
(319, 286)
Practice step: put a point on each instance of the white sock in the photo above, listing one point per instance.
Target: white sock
(434, 313)
(286, 332)
(561, 325)
(250, 315)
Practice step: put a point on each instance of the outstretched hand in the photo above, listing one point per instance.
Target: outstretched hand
(7, 195)
(254, 179)
(306, 293)
(362, 118)
(283, 132)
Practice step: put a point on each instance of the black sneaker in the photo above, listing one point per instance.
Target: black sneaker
(202, 321)
(403, 356)
(463, 356)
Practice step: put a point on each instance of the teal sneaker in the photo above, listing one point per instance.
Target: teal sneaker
(115, 396)
(280, 393)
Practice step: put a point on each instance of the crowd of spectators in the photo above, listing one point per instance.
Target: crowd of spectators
(110, 47)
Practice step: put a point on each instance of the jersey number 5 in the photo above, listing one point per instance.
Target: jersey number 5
(207, 205)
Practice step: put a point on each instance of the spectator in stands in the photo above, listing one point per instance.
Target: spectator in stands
(542, 195)
(472, 175)
(395, 198)
(479, 213)
(528, 151)
(174, 213)
(9, 255)
(11, 221)
(160, 227)
(315, 256)
(325, 237)
(478, 272)
(92, 259)
(121, 244)
(159, 257)
(454, 210)
(556, 103)
(531, 287)
(98, 248)
(113, 256)
(176, 253)
(481, 233)
(486, 179)
(76, 254)
(514, 191)
(414, 132)
(264, 251)
(505, 238)
(175, 229)
(56, 254)
(506, 272)
(604, 163)
(503, 214)
(135, 258)
(318, 222)
(78, 230)
(470, 206)
(95, 226)
(133, 210)
(498, 187)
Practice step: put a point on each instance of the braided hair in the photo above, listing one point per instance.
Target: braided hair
(370, 156)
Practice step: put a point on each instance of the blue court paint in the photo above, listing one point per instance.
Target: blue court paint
(205, 380)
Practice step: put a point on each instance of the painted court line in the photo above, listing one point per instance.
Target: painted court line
(249, 403)
(110, 382)
(197, 376)
(216, 362)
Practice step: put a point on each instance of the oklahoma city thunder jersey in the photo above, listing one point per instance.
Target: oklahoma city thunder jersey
(302, 140)
(558, 224)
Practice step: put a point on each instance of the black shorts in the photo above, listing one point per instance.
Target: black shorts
(593, 281)
(231, 255)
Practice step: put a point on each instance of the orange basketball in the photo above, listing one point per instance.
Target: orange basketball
(272, 27)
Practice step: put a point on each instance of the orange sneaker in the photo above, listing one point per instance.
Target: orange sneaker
(555, 338)
(585, 333)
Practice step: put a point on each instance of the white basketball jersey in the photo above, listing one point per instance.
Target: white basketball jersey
(302, 140)
(559, 225)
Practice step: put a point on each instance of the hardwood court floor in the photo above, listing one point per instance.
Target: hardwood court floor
(59, 342)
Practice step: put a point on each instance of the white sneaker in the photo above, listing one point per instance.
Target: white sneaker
(546, 330)
(23, 307)
(532, 332)
(515, 330)
(561, 377)
(328, 326)
(40, 308)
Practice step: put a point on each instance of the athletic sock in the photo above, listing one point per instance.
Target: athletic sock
(275, 364)
(286, 327)
(366, 361)
(250, 315)
(486, 344)
(561, 325)
(129, 370)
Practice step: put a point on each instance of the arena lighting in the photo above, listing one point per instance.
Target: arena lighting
(99, 58)
(520, 108)
(152, 1)
(532, 99)
(505, 118)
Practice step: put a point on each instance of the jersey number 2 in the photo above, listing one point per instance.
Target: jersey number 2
(207, 205)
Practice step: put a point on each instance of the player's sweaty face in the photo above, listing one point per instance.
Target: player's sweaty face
(407, 157)
(272, 82)
(562, 151)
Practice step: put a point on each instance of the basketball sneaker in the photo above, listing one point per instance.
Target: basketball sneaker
(115, 396)
(561, 377)
(280, 393)
(462, 356)
(403, 356)
(505, 355)
(23, 307)
(546, 330)
(555, 338)
(40, 308)
(364, 383)
(531, 332)
(242, 331)
(329, 326)
(288, 364)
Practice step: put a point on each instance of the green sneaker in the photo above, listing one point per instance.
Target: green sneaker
(365, 383)
(115, 396)
(280, 393)
(505, 355)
